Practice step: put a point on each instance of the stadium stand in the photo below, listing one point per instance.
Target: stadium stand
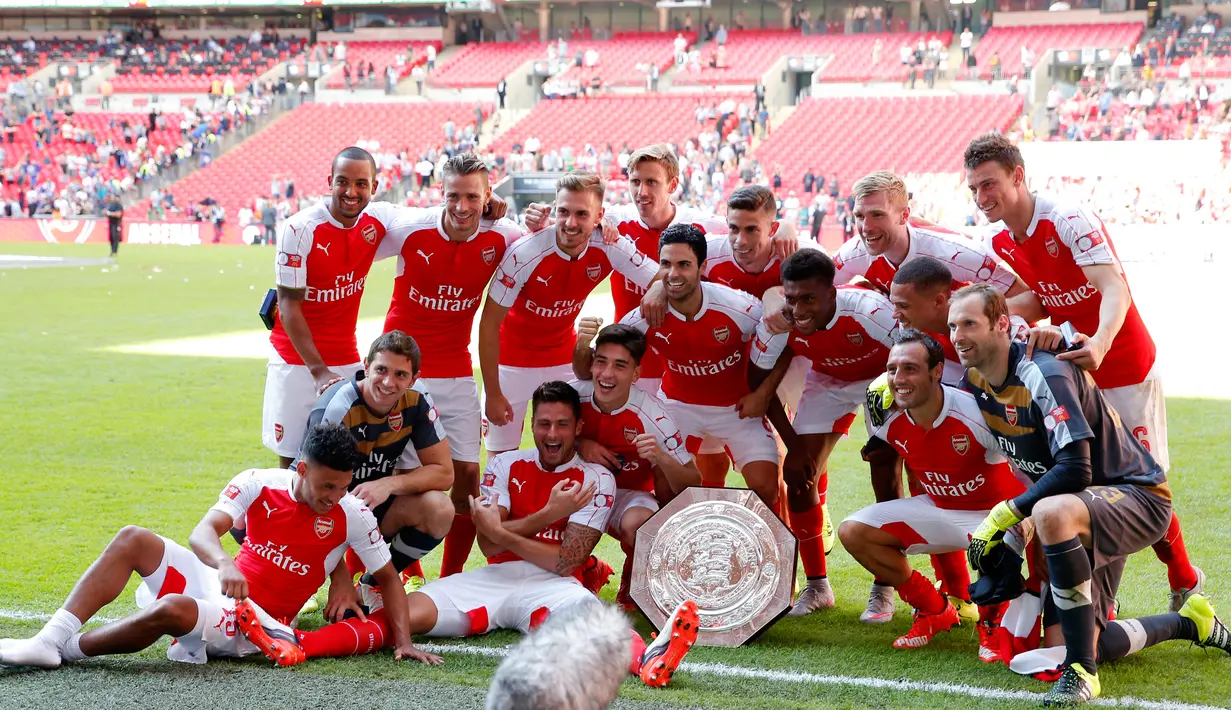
(170, 65)
(380, 55)
(1007, 42)
(623, 61)
(854, 136)
(749, 54)
(477, 65)
(301, 143)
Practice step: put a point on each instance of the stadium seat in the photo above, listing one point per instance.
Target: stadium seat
(380, 55)
(1007, 42)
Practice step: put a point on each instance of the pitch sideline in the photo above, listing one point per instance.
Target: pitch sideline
(722, 669)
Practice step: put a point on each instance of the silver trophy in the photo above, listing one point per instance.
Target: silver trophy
(724, 549)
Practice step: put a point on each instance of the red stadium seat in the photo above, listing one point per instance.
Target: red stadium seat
(1008, 42)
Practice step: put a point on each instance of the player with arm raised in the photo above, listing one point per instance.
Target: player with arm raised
(299, 524)
(445, 260)
(1063, 252)
(1096, 495)
(630, 433)
(940, 435)
(846, 333)
(527, 331)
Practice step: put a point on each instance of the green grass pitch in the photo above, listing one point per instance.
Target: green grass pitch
(92, 440)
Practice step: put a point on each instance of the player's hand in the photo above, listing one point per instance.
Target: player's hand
(879, 400)
(587, 329)
(648, 447)
(593, 452)
(1044, 337)
(568, 497)
(410, 652)
(776, 323)
(753, 405)
(343, 598)
(485, 513)
(1089, 356)
(373, 493)
(611, 234)
(232, 581)
(324, 379)
(536, 215)
(991, 532)
(785, 244)
(798, 469)
(496, 207)
(498, 410)
(654, 304)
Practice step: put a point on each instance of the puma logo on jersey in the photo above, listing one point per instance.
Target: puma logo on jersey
(519, 484)
(268, 510)
(323, 247)
(1093, 495)
(427, 258)
(362, 431)
(543, 280)
(662, 335)
(901, 445)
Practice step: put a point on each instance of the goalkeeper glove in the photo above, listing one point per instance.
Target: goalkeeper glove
(990, 532)
(879, 400)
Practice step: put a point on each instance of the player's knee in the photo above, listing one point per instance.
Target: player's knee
(632, 520)
(174, 614)
(438, 511)
(853, 534)
(1054, 516)
(131, 538)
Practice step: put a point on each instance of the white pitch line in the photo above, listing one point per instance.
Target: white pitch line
(721, 669)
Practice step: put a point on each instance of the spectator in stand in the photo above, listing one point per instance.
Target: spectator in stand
(820, 207)
(994, 63)
(419, 74)
(502, 88)
(431, 56)
(966, 40)
(721, 36)
(106, 90)
(114, 211)
(809, 181)
(269, 220)
(1027, 61)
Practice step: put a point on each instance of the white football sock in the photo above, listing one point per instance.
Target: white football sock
(72, 650)
(37, 652)
(60, 628)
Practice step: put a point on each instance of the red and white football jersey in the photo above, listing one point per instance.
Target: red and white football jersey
(524, 488)
(626, 294)
(545, 289)
(289, 549)
(440, 284)
(331, 263)
(957, 461)
(852, 347)
(618, 430)
(1063, 237)
(721, 267)
(969, 260)
(707, 357)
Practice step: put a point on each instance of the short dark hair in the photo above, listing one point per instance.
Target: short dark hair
(681, 233)
(936, 354)
(625, 336)
(993, 146)
(398, 343)
(330, 445)
(354, 153)
(556, 391)
(752, 198)
(924, 273)
(994, 303)
(808, 264)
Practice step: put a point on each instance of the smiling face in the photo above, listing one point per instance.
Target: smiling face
(466, 197)
(912, 382)
(880, 222)
(750, 233)
(916, 307)
(810, 304)
(681, 273)
(352, 184)
(319, 486)
(652, 191)
(977, 340)
(578, 213)
(995, 189)
(613, 371)
(386, 378)
(555, 428)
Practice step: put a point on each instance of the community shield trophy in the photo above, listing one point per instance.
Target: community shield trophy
(724, 549)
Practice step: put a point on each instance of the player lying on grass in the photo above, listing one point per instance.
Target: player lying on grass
(1097, 495)
(629, 432)
(299, 524)
(940, 435)
(541, 513)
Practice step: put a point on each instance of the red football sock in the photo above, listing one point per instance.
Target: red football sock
(634, 667)
(993, 612)
(953, 574)
(807, 527)
(353, 564)
(920, 594)
(1171, 552)
(414, 569)
(347, 638)
(457, 545)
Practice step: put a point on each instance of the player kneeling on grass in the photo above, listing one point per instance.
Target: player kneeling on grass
(301, 522)
(541, 513)
(940, 434)
(1097, 495)
(629, 432)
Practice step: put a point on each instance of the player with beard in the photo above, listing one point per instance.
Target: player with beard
(1096, 495)
(846, 333)
(629, 432)
(323, 257)
(1064, 253)
(445, 260)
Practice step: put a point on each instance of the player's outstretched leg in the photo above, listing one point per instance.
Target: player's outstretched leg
(666, 652)
(1184, 578)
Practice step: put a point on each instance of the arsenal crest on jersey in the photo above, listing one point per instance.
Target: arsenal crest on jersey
(395, 422)
(594, 271)
(961, 443)
(1010, 414)
(855, 338)
(369, 234)
(1053, 247)
(630, 434)
(278, 432)
(322, 526)
(488, 254)
(721, 334)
